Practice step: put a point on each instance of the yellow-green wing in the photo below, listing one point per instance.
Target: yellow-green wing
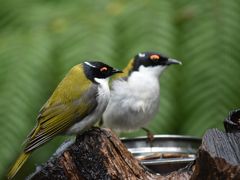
(125, 73)
(73, 99)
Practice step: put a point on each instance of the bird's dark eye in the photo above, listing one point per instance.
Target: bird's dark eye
(103, 69)
(154, 57)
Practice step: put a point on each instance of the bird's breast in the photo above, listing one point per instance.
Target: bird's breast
(133, 102)
(140, 93)
(144, 87)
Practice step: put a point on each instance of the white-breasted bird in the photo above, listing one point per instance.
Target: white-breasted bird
(75, 105)
(135, 93)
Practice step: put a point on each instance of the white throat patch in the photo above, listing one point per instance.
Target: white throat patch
(152, 70)
(102, 81)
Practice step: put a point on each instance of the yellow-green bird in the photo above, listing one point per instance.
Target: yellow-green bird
(75, 105)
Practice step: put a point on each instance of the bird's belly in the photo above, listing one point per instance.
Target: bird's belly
(130, 111)
(133, 117)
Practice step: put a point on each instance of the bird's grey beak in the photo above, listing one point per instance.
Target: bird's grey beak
(116, 71)
(173, 61)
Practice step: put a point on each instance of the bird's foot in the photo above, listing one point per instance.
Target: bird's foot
(150, 135)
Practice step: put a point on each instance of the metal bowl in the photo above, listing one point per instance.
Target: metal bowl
(166, 153)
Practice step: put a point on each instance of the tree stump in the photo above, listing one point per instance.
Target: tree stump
(99, 154)
(218, 156)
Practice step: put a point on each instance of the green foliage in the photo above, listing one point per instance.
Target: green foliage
(40, 41)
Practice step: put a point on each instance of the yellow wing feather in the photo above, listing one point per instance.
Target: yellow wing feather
(18, 164)
(126, 71)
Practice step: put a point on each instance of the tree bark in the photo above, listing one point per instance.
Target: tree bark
(218, 156)
(96, 154)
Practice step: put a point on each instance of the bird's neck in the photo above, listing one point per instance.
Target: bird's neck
(103, 82)
(146, 78)
(154, 71)
(103, 94)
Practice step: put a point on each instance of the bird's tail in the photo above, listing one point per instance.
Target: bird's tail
(18, 164)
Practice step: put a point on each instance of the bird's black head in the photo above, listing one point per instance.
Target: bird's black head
(152, 59)
(95, 69)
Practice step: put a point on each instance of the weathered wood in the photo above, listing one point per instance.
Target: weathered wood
(99, 154)
(218, 156)
(232, 122)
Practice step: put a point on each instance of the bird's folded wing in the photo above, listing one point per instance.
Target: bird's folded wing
(125, 73)
(55, 119)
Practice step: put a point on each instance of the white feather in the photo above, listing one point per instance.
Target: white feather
(89, 64)
(141, 55)
(134, 102)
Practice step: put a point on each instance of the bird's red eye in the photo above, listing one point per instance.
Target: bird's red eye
(103, 69)
(154, 57)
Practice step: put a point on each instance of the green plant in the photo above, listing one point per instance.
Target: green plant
(40, 40)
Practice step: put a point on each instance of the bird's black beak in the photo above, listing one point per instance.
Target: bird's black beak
(114, 71)
(173, 61)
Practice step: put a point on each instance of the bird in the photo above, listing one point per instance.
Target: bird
(74, 106)
(135, 93)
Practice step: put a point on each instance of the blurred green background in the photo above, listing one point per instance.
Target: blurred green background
(41, 40)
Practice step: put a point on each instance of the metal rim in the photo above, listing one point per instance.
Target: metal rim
(162, 136)
(168, 161)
